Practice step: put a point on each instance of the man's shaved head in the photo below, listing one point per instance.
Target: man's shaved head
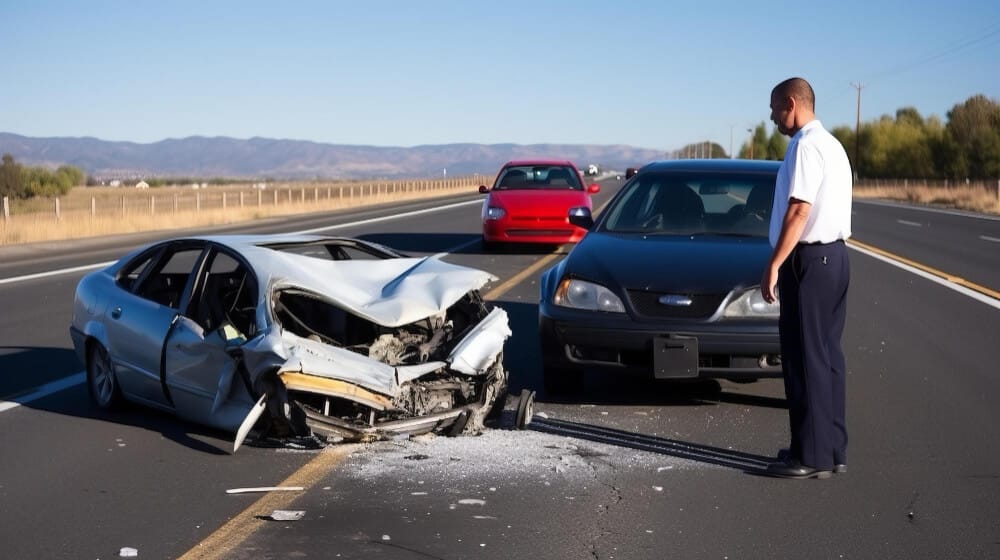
(798, 89)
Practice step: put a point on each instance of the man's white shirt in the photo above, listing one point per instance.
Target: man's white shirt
(816, 170)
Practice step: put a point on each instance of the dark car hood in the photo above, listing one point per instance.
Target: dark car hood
(672, 264)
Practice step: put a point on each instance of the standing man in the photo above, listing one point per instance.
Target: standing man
(810, 220)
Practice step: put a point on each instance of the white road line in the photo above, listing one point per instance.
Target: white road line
(43, 391)
(988, 238)
(962, 213)
(54, 272)
(85, 267)
(909, 223)
(982, 298)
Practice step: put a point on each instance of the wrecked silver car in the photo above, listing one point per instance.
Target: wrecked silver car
(294, 336)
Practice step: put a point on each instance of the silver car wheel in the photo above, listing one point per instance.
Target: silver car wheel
(101, 381)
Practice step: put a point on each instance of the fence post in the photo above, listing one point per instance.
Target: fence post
(123, 206)
(241, 199)
(197, 201)
(276, 197)
(175, 203)
(93, 207)
(6, 209)
(260, 195)
(152, 205)
(58, 213)
(223, 200)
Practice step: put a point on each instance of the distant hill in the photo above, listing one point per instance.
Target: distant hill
(199, 156)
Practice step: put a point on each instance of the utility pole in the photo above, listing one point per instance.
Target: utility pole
(857, 133)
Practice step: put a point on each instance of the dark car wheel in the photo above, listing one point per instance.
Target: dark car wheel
(562, 381)
(101, 381)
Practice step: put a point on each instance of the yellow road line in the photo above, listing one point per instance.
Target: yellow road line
(221, 542)
(930, 270)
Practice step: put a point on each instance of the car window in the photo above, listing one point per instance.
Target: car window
(332, 251)
(131, 273)
(227, 297)
(685, 204)
(538, 177)
(165, 283)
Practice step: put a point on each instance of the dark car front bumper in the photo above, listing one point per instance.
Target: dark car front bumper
(733, 349)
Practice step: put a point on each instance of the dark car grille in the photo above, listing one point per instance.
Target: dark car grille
(647, 304)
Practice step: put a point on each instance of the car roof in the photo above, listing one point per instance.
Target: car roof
(539, 162)
(713, 166)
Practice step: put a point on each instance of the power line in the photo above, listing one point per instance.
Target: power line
(949, 50)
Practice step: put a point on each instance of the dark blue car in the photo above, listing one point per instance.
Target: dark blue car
(666, 282)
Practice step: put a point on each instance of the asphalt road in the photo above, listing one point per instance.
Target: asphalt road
(630, 469)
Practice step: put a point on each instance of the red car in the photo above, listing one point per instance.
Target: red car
(530, 202)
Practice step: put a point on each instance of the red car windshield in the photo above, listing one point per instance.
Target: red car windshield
(555, 177)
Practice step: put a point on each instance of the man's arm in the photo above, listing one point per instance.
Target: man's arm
(791, 231)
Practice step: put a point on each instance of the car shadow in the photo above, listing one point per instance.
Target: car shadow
(525, 369)
(62, 363)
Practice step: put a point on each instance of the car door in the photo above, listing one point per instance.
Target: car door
(150, 294)
(202, 371)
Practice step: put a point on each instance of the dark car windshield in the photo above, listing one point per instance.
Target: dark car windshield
(694, 203)
(539, 177)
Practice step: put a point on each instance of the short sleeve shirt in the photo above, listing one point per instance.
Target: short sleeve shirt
(815, 170)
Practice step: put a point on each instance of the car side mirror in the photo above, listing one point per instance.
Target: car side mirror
(483, 189)
(630, 172)
(581, 217)
(594, 188)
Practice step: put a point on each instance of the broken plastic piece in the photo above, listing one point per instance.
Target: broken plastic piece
(264, 489)
(287, 515)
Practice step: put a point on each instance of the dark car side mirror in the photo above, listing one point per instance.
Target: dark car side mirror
(594, 188)
(629, 172)
(483, 189)
(581, 217)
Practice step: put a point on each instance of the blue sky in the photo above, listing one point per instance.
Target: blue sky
(657, 74)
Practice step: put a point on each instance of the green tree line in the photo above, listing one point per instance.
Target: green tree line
(19, 181)
(909, 146)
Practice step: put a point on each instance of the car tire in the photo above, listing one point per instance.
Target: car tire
(562, 381)
(102, 383)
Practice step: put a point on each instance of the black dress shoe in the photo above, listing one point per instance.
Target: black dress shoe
(794, 469)
(785, 455)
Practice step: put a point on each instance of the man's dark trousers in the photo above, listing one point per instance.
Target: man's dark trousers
(812, 289)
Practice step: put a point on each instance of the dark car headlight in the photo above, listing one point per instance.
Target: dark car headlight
(494, 213)
(580, 294)
(751, 304)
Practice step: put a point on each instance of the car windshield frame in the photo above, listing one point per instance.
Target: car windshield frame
(539, 177)
(689, 203)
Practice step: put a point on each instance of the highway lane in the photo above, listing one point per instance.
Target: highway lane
(82, 484)
(962, 244)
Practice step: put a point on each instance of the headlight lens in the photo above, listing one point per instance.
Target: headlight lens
(579, 294)
(495, 213)
(752, 304)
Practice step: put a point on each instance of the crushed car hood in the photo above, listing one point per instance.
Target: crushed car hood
(391, 292)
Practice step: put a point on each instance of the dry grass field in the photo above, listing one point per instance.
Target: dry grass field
(981, 197)
(96, 211)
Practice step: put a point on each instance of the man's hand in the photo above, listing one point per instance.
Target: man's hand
(768, 285)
